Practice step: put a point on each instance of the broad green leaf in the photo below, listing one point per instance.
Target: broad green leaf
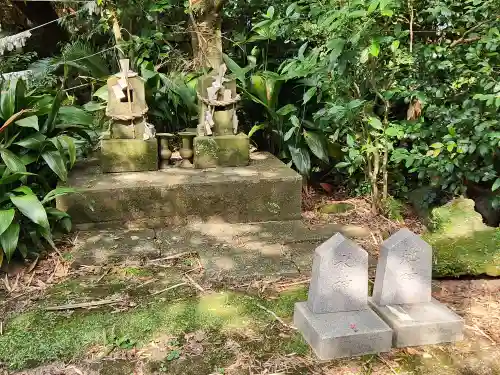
(496, 184)
(301, 159)
(373, 6)
(289, 134)
(238, 71)
(342, 164)
(256, 128)
(395, 45)
(12, 161)
(28, 122)
(71, 149)
(270, 12)
(350, 140)
(56, 163)
(357, 14)
(102, 93)
(23, 189)
(336, 46)
(392, 131)
(30, 206)
(56, 193)
(295, 121)
(14, 177)
(66, 224)
(437, 145)
(375, 123)
(290, 9)
(8, 98)
(93, 106)
(48, 126)
(34, 142)
(287, 109)
(9, 239)
(317, 145)
(375, 48)
(308, 95)
(54, 212)
(45, 233)
(6, 217)
(302, 49)
(74, 115)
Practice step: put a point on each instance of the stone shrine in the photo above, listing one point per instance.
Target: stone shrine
(130, 145)
(217, 142)
(336, 319)
(402, 294)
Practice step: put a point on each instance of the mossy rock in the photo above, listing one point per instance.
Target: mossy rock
(336, 208)
(462, 243)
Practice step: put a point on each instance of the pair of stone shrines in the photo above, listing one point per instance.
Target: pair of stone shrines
(340, 320)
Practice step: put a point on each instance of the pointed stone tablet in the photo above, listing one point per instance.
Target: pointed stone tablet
(339, 279)
(404, 270)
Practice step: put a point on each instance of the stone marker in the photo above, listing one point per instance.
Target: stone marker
(336, 320)
(404, 270)
(402, 294)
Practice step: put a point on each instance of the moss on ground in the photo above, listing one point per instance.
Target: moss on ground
(39, 336)
(462, 243)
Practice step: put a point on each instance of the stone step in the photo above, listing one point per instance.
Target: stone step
(266, 190)
(226, 250)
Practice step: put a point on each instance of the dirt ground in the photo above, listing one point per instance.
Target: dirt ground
(127, 319)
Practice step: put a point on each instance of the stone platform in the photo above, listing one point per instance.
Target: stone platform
(230, 251)
(265, 190)
(342, 334)
(421, 323)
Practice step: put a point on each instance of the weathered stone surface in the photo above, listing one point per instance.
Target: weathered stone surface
(138, 106)
(129, 155)
(404, 270)
(266, 190)
(339, 277)
(105, 247)
(124, 130)
(342, 334)
(421, 323)
(223, 151)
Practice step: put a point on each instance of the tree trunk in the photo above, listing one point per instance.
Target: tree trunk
(207, 45)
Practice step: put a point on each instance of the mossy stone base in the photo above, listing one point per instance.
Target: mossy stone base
(129, 155)
(221, 151)
(265, 190)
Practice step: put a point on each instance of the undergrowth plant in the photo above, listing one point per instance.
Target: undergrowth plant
(39, 142)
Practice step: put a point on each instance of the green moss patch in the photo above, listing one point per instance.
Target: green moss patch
(462, 243)
(336, 208)
(39, 336)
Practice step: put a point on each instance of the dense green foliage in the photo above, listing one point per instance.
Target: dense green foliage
(39, 141)
(397, 93)
(386, 94)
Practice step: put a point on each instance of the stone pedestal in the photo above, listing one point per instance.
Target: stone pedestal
(336, 320)
(421, 323)
(402, 294)
(342, 334)
(222, 151)
(129, 155)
